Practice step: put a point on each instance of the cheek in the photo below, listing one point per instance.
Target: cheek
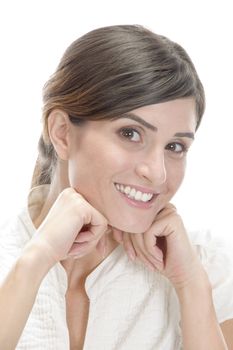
(175, 177)
(79, 172)
(94, 171)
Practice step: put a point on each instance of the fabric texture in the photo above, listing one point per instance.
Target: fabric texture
(130, 306)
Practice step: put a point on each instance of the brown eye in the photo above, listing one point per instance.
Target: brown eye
(130, 134)
(176, 147)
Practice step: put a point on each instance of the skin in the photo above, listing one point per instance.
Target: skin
(84, 212)
(138, 160)
(153, 160)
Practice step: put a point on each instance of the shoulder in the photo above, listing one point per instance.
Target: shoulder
(214, 254)
(17, 229)
(217, 261)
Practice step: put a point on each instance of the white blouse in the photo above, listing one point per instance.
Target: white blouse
(130, 307)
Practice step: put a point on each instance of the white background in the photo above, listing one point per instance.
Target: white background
(34, 35)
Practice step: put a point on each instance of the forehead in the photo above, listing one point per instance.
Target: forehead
(180, 113)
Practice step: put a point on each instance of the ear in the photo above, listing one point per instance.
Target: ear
(58, 129)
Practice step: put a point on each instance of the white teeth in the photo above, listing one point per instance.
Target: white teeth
(138, 196)
(127, 190)
(133, 193)
(146, 197)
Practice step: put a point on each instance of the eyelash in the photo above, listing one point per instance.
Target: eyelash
(125, 132)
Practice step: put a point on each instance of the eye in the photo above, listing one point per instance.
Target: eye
(177, 147)
(130, 134)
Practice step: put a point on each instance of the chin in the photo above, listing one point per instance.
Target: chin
(134, 227)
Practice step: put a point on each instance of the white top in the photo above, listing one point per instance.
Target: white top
(130, 307)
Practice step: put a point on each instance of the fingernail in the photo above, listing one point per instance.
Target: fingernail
(131, 255)
(159, 258)
(104, 250)
(158, 255)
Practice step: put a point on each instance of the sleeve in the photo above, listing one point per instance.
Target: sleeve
(218, 263)
(8, 250)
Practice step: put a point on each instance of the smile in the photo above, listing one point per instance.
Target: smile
(133, 193)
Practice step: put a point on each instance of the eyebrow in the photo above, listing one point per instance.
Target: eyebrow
(185, 134)
(150, 126)
(137, 119)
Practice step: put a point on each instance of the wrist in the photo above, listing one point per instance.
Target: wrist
(196, 287)
(199, 323)
(35, 260)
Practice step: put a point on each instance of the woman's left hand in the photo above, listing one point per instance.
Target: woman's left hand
(165, 246)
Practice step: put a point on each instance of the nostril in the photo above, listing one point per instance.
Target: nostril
(153, 172)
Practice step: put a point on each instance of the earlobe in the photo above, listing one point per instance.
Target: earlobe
(58, 129)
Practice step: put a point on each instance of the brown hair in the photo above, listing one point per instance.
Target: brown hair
(110, 71)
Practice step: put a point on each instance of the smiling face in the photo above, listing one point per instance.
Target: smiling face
(130, 167)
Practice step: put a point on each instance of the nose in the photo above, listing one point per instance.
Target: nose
(153, 168)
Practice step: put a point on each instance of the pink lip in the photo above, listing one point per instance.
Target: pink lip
(137, 204)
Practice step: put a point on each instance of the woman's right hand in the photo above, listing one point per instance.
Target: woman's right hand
(60, 235)
(72, 227)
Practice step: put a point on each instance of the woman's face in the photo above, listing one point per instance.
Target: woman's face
(130, 167)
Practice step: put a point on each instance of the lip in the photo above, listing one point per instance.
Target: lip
(138, 204)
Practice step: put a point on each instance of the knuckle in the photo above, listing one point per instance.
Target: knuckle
(66, 195)
(67, 191)
(104, 222)
(171, 206)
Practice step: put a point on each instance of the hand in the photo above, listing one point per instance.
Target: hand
(71, 228)
(165, 247)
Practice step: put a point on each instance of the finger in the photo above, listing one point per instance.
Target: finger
(128, 246)
(151, 266)
(142, 254)
(137, 241)
(102, 246)
(117, 235)
(80, 249)
(138, 246)
(96, 222)
(150, 242)
(167, 210)
(84, 236)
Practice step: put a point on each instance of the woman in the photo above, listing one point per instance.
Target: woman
(120, 114)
